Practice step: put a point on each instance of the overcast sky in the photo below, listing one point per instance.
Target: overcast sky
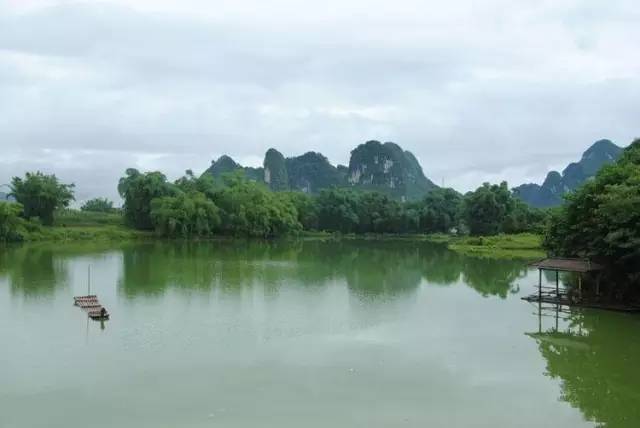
(477, 90)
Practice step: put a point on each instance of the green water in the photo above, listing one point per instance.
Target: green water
(301, 334)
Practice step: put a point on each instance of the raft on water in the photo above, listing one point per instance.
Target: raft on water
(92, 306)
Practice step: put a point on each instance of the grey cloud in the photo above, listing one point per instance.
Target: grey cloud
(510, 91)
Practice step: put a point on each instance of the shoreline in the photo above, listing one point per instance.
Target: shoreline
(521, 246)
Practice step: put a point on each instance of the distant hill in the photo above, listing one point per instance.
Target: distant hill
(550, 193)
(225, 164)
(373, 166)
(389, 169)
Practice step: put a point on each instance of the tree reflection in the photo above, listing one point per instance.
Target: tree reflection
(493, 277)
(370, 268)
(595, 357)
(32, 271)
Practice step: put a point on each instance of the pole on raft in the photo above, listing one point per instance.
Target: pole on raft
(89, 280)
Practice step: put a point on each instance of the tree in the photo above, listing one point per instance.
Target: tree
(250, 209)
(307, 208)
(337, 210)
(601, 221)
(377, 213)
(484, 209)
(40, 195)
(493, 209)
(438, 210)
(138, 190)
(185, 215)
(11, 224)
(101, 205)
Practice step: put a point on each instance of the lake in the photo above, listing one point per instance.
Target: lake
(351, 333)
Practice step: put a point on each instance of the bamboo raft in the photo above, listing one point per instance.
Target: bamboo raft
(92, 307)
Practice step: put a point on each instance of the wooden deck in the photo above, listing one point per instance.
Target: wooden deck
(563, 299)
(92, 307)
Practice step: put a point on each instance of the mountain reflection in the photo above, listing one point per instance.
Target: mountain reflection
(370, 269)
(594, 357)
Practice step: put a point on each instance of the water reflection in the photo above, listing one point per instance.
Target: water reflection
(370, 269)
(590, 352)
(32, 271)
(491, 277)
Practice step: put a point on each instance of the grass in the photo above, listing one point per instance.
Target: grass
(76, 225)
(523, 245)
(86, 233)
(71, 217)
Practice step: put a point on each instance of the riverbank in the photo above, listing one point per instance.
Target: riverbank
(86, 233)
(72, 225)
(522, 245)
(512, 246)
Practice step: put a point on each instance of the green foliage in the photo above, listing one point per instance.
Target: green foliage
(485, 209)
(522, 245)
(250, 209)
(101, 205)
(601, 220)
(492, 209)
(185, 215)
(204, 184)
(307, 208)
(438, 211)
(12, 226)
(378, 213)
(40, 195)
(138, 190)
(69, 217)
(338, 210)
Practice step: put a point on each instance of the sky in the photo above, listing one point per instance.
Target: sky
(478, 91)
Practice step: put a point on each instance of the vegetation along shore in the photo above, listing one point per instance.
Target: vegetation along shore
(599, 220)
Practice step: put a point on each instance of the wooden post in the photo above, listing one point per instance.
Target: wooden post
(540, 285)
(580, 286)
(539, 317)
(557, 285)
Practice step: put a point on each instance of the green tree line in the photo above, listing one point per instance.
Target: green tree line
(601, 221)
(233, 205)
(200, 207)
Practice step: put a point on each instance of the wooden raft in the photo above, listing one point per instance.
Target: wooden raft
(92, 307)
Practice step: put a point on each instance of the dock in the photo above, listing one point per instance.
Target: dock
(565, 300)
(91, 306)
(563, 296)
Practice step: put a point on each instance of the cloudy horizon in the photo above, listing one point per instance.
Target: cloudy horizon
(505, 91)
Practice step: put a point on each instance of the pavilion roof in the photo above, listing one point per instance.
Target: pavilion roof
(567, 265)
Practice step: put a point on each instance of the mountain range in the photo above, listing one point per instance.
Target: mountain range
(556, 185)
(387, 168)
(383, 167)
